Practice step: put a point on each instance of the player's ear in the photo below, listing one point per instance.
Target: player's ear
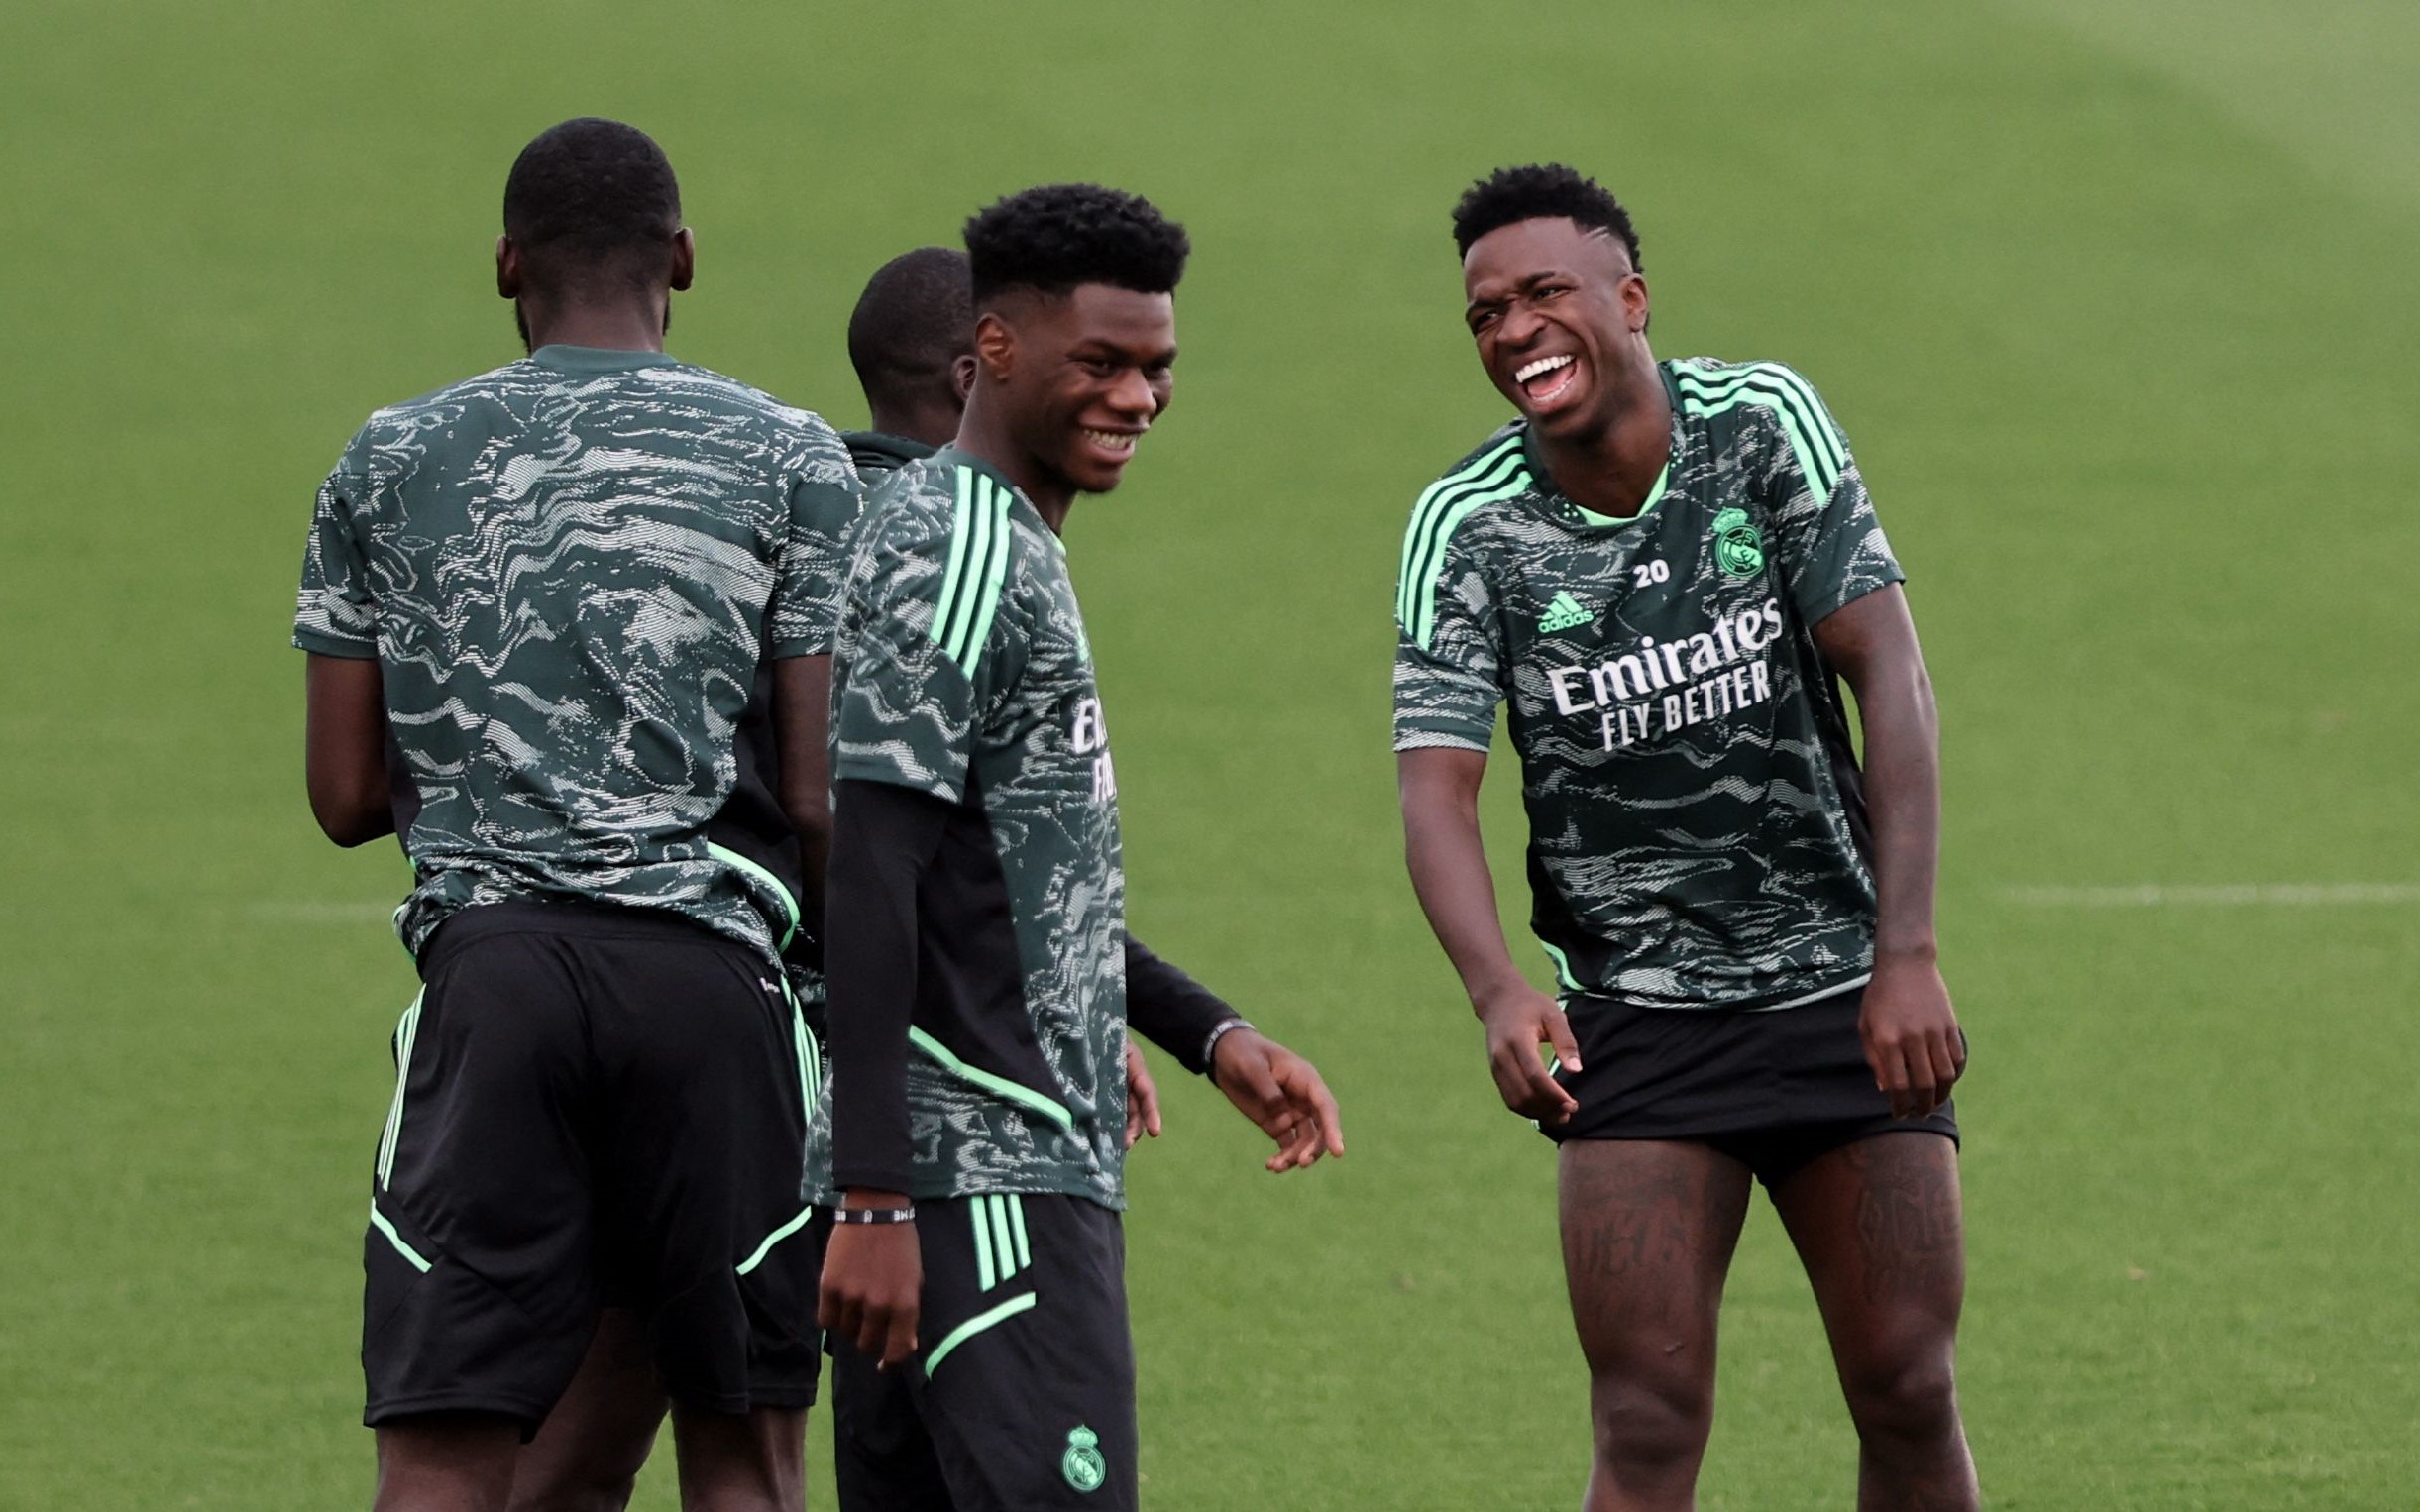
(995, 347)
(684, 260)
(507, 268)
(962, 376)
(1634, 303)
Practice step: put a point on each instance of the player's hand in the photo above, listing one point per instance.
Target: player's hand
(1910, 1033)
(1518, 1020)
(1281, 1091)
(1141, 1097)
(873, 1282)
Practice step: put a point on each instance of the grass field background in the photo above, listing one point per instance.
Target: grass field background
(2113, 304)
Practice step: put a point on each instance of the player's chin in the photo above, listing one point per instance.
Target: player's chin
(1097, 468)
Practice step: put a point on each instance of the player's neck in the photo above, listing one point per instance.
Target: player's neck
(624, 327)
(1611, 470)
(926, 424)
(982, 437)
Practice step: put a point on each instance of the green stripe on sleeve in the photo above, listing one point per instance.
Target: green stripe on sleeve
(987, 606)
(956, 571)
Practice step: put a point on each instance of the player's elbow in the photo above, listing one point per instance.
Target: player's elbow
(348, 815)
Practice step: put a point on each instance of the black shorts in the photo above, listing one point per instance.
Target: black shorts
(590, 1102)
(1772, 1088)
(1022, 1393)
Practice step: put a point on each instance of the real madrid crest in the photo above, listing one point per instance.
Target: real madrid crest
(1738, 548)
(1082, 1463)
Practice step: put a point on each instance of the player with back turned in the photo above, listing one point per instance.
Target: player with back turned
(555, 587)
(1661, 570)
(970, 1148)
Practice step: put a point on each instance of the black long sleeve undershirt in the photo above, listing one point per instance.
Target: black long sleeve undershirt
(1170, 1008)
(883, 838)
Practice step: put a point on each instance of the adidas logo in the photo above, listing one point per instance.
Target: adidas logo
(1564, 614)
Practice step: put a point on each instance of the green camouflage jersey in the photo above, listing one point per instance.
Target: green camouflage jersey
(1696, 825)
(568, 571)
(962, 672)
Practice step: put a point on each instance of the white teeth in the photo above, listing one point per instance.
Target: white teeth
(1529, 371)
(1110, 440)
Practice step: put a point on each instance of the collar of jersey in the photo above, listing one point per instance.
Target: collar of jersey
(599, 359)
(950, 455)
(1543, 483)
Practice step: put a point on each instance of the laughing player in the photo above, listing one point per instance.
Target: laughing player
(1661, 569)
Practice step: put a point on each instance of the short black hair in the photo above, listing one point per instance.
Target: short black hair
(916, 317)
(1537, 190)
(587, 197)
(1052, 238)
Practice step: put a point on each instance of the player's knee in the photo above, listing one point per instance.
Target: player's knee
(604, 1489)
(1650, 1421)
(1907, 1399)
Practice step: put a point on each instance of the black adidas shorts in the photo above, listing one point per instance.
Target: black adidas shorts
(589, 1101)
(1022, 1393)
(1773, 1089)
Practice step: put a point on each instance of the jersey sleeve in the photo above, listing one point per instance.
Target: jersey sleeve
(825, 497)
(919, 672)
(1449, 648)
(1829, 545)
(335, 613)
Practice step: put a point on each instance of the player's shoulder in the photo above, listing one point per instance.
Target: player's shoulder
(1492, 465)
(1491, 473)
(394, 434)
(1711, 386)
(804, 441)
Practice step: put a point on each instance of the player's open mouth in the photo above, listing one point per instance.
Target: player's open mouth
(1547, 378)
(1120, 444)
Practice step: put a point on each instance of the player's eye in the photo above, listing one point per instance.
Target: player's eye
(1550, 292)
(1481, 320)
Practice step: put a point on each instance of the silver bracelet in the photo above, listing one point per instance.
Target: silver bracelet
(1218, 1032)
(906, 1215)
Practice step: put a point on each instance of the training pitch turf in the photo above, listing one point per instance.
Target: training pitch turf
(2107, 299)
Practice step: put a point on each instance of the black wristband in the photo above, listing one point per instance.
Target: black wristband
(906, 1215)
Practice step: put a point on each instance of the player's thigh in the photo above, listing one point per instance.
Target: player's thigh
(1027, 1365)
(480, 1294)
(700, 1163)
(1878, 1226)
(587, 1454)
(1648, 1230)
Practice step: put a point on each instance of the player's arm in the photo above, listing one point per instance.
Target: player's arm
(1911, 1032)
(1438, 790)
(800, 623)
(345, 748)
(1278, 1090)
(884, 839)
(801, 719)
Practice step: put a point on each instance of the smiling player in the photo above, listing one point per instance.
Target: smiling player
(980, 977)
(1661, 569)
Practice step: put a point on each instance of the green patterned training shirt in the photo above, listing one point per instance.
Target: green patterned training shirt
(1697, 824)
(962, 672)
(568, 571)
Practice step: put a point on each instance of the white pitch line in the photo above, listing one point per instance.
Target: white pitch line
(2156, 894)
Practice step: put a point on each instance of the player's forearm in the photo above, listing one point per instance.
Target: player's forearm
(1448, 861)
(883, 837)
(1171, 1008)
(1902, 789)
(345, 749)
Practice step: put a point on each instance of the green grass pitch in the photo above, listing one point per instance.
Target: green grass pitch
(2111, 301)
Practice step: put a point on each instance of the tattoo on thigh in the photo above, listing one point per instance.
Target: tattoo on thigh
(1908, 1220)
